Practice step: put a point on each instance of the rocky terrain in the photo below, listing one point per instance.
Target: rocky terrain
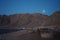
(33, 35)
(29, 20)
(26, 25)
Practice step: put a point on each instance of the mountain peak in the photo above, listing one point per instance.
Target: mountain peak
(57, 13)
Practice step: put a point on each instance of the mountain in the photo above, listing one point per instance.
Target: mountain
(29, 20)
(56, 18)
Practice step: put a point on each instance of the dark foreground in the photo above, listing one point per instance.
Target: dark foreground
(26, 35)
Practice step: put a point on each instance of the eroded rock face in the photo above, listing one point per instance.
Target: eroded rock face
(29, 20)
(4, 20)
(56, 18)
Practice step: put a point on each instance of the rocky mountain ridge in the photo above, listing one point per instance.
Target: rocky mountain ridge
(29, 20)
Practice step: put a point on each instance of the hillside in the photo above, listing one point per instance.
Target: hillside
(29, 20)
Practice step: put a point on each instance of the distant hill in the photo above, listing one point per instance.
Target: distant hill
(29, 20)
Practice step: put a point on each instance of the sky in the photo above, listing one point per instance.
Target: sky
(8, 7)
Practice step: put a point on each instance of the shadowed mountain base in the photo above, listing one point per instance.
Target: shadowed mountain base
(35, 35)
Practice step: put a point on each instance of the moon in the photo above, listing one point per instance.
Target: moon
(43, 11)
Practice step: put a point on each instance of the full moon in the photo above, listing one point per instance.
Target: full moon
(43, 11)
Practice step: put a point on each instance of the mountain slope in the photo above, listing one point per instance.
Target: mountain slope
(29, 20)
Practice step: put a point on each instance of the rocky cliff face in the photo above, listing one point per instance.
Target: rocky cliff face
(29, 20)
(56, 18)
(4, 20)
